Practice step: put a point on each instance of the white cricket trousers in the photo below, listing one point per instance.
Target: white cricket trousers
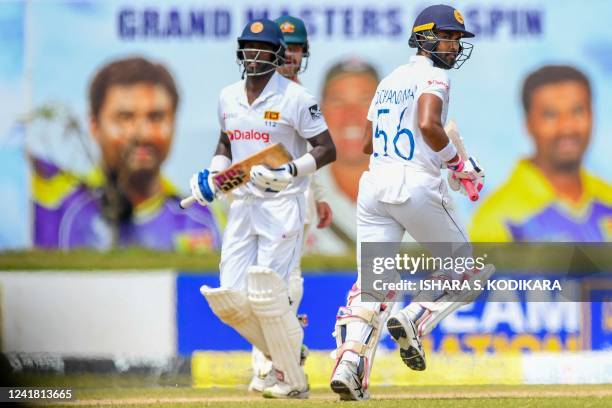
(265, 232)
(406, 201)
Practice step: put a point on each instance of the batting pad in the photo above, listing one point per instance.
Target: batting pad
(449, 302)
(234, 309)
(296, 288)
(269, 300)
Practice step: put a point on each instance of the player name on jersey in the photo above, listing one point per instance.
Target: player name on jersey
(396, 96)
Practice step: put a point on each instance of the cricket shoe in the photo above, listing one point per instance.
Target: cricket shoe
(347, 383)
(283, 390)
(404, 332)
(260, 382)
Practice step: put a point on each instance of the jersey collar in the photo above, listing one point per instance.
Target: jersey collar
(269, 90)
(421, 59)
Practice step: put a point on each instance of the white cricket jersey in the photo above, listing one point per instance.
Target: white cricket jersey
(393, 112)
(285, 112)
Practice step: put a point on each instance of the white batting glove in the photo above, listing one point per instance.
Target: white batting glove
(470, 170)
(272, 180)
(202, 187)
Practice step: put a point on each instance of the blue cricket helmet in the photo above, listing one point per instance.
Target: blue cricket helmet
(266, 31)
(443, 18)
(437, 18)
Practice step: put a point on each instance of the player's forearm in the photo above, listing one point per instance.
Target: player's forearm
(437, 139)
(323, 149)
(430, 125)
(224, 146)
(434, 135)
(323, 155)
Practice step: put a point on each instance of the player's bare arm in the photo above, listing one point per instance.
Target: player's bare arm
(367, 139)
(429, 117)
(323, 149)
(224, 147)
(274, 180)
(430, 122)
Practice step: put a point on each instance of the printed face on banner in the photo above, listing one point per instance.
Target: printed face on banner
(134, 128)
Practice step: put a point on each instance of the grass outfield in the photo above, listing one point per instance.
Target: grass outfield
(384, 397)
(143, 391)
(138, 258)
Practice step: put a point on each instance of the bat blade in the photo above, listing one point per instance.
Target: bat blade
(239, 173)
(453, 134)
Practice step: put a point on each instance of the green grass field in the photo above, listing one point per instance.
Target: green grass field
(141, 391)
(384, 397)
(142, 259)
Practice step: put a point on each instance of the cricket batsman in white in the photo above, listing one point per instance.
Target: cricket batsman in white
(296, 62)
(404, 191)
(264, 232)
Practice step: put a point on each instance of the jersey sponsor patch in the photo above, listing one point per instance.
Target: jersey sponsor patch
(315, 111)
(438, 83)
(248, 135)
(271, 115)
(230, 115)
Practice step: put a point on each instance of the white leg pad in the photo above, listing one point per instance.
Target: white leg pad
(365, 319)
(269, 300)
(436, 311)
(296, 288)
(234, 309)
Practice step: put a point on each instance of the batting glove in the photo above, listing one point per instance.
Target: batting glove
(272, 180)
(470, 170)
(202, 187)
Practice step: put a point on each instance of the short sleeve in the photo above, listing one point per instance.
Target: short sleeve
(220, 113)
(309, 120)
(372, 110)
(437, 83)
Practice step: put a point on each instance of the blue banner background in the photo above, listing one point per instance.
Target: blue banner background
(478, 327)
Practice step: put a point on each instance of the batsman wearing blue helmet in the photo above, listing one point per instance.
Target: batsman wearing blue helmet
(403, 191)
(264, 232)
(296, 61)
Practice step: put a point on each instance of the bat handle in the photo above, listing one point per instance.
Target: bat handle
(187, 202)
(470, 189)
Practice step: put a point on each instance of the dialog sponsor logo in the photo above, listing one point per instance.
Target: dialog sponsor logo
(249, 135)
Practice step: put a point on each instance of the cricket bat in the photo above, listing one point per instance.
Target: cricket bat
(239, 173)
(453, 134)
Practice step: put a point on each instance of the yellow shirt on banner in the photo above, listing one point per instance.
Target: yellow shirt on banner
(526, 208)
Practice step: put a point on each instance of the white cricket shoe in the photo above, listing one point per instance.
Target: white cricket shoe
(283, 390)
(404, 332)
(259, 383)
(347, 383)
